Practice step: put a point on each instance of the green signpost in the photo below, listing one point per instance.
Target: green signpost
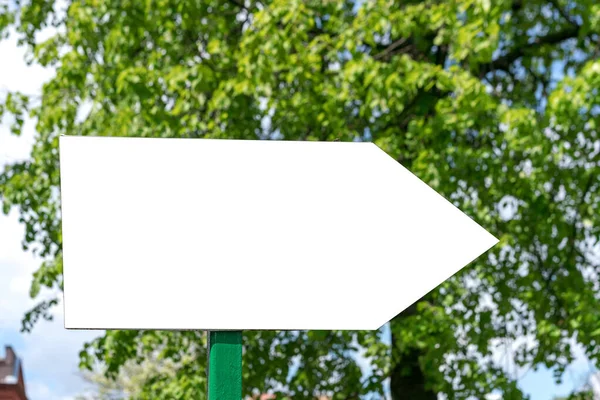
(224, 365)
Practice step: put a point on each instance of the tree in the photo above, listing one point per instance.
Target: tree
(130, 380)
(583, 395)
(587, 391)
(492, 103)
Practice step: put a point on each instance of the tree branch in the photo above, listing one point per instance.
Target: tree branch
(517, 5)
(563, 12)
(390, 48)
(573, 239)
(504, 62)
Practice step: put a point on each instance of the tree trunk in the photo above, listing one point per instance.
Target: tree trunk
(407, 381)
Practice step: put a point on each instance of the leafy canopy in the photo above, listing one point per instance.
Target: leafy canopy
(493, 103)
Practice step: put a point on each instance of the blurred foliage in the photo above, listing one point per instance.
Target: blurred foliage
(129, 382)
(583, 395)
(495, 104)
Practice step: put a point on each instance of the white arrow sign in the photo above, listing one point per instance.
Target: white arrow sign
(232, 234)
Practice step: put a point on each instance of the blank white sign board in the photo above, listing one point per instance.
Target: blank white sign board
(236, 235)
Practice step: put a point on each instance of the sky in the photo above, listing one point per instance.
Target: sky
(50, 353)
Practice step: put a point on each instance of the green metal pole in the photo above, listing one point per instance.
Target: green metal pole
(224, 365)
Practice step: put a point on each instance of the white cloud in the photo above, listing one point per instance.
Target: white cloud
(15, 148)
(20, 285)
(15, 74)
(16, 268)
(38, 390)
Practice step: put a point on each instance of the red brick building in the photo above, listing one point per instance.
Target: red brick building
(12, 385)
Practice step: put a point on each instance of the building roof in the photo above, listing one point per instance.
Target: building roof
(11, 376)
(9, 367)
